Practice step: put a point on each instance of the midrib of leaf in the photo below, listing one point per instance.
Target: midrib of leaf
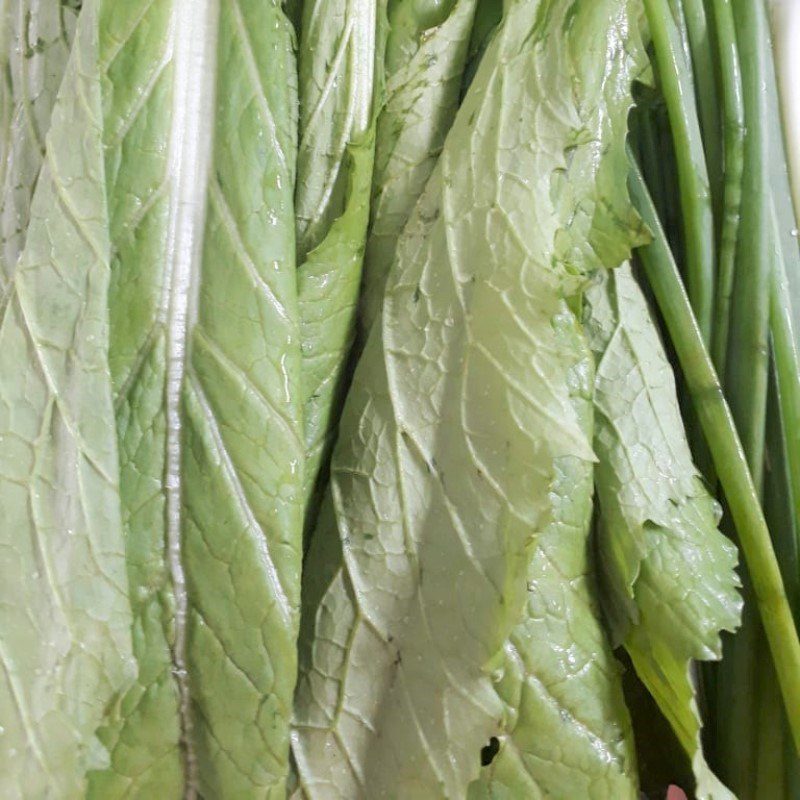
(363, 70)
(194, 61)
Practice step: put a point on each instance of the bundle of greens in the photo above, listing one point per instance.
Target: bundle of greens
(387, 389)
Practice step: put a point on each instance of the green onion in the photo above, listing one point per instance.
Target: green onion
(678, 89)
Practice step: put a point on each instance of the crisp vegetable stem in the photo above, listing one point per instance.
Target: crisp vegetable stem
(787, 366)
(748, 347)
(678, 89)
(785, 18)
(651, 157)
(702, 54)
(189, 157)
(679, 18)
(733, 134)
(746, 381)
(726, 450)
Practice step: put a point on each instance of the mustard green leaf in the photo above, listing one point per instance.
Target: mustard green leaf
(426, 49)
(668, 572)
(458, 414)
(341, 53)
(199, 136)
(568, 732)
(336, 63)
(36, 39)
(65, 620)
(329, 282)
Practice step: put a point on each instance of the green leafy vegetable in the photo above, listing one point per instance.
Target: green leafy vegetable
(755, 317)
(65, 648)
(340, 48)
(337, 285)
(785, 25)
(568, 731)
(328, 283)
(746, 381)
(488, 14)
(702, 54)
(36, 40)
(776, 759)
(454, 424)
(176, 131)
(336, 69)
(426, 50)
(785, 256)
(669, 573)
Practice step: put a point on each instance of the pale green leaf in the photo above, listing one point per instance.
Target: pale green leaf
(488, 14)
(65, 646)
(341, 47)
(425, 53)
(669, 573)
(329, 282)
(199, 137)
(336, 64)
(568, 733)
(35, 40)
(456, 419)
